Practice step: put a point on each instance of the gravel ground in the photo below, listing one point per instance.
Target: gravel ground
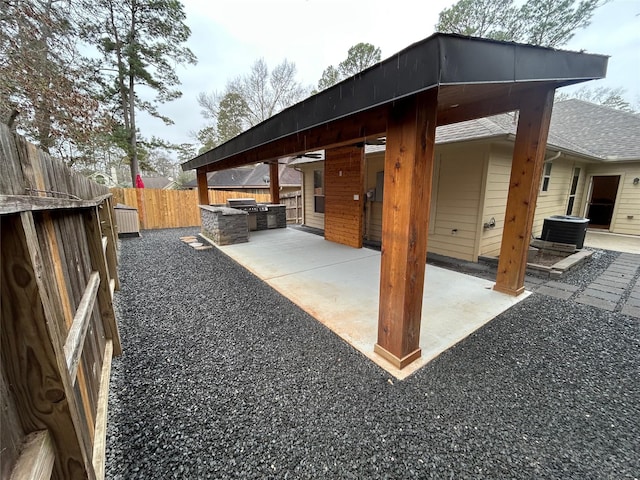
(595, 266)
(222, 377)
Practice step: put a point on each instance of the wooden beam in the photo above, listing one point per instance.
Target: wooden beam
(77, 333)
(344, 131)
(29, 203)
(479, 109)
(37, 457)
(203, 187)
(405, 218)
(526, 170)
(274, 182)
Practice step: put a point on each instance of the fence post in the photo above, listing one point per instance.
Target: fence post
(140, 204)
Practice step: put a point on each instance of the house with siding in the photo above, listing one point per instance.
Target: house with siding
(592, 170)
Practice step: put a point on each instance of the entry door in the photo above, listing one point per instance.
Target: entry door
(602, 200)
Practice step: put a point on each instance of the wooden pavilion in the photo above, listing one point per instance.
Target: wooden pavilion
(440, 80)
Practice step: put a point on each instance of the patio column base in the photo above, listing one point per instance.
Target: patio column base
(508, 291)
(399, 363)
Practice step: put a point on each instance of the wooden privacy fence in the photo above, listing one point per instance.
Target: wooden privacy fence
(161, 208)
(58, 268)
(179, 208)
(293, 201)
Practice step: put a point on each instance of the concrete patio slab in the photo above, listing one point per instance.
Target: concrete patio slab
(339, 286)
(612, 241)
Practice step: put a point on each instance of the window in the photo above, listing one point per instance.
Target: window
(572, 192)
(546, 178)
(379, 186)
(318, 191)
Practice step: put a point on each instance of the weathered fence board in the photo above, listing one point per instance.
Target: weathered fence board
(58, 271)
(36, 461)
(11, 179)
(12, 434)
(29, 342)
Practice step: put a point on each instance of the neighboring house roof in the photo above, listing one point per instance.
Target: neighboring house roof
(584, 128)
(251, 176)
(157, 182)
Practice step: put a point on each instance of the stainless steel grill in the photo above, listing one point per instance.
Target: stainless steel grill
(246, 204)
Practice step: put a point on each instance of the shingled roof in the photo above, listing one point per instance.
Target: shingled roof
(577, 126)
(250, 176)
(603, 132)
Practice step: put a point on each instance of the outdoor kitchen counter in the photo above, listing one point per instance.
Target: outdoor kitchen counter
(224, 225)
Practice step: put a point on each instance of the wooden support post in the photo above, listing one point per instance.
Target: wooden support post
(274, 182)
(203, 187)
(405, 218)
(99, 264)
(526, 170)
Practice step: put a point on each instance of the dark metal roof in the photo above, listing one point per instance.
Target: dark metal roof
(471, 70)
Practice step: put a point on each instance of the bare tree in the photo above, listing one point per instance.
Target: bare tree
(248, 100)
(607, 96)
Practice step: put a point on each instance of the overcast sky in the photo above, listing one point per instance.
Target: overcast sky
(229, 35)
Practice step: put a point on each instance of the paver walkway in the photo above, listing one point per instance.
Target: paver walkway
(616, 289)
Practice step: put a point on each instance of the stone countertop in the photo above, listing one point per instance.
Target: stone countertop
(223, 210)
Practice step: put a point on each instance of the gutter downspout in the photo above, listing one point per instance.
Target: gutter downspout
(555, 157)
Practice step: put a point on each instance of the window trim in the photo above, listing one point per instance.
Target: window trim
(573, 189)
(318, 197)
(546, 177)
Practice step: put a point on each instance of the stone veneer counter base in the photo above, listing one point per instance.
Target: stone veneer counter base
(224, 225)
